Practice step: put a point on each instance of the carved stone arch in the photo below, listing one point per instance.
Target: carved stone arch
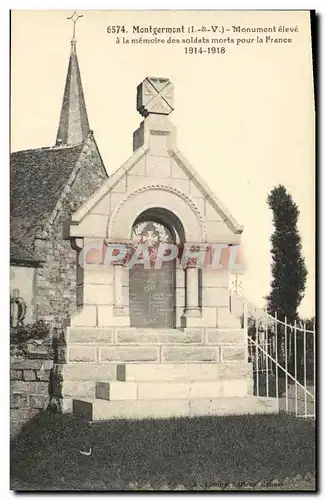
(152, 196)
(165, 218)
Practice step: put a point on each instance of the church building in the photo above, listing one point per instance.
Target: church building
(46, 186)
(141, 341)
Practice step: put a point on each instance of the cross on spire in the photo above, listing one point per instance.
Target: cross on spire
(74, 18)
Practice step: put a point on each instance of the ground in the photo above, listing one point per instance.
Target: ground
(260, 452)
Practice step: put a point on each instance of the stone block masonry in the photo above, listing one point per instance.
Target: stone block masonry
(97, 345)
(29, 389)
(120, 372)
(120, 363)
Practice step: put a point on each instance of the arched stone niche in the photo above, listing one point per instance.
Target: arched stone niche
(157, 197)
(156, 295)
(181, 216)
(167, 219)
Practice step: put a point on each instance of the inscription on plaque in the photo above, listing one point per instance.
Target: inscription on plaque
(151, 290)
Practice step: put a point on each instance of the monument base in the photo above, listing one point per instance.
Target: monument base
(125, 372)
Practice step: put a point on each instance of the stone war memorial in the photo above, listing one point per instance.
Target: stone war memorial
(132, 268)
(162, 332)
(154, 337)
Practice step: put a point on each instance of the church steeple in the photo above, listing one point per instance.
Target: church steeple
(73, 125)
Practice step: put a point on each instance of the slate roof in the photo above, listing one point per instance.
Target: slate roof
(37, 178)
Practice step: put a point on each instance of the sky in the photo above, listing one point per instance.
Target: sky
(245, 119)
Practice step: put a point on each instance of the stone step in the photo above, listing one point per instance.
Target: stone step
(152, 372)
(76, 388)
(120, 391)
(96, 409)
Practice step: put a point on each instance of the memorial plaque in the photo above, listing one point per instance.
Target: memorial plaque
(151, 290)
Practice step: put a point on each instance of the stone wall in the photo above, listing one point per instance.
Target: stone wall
(30, 384)
(56, 279)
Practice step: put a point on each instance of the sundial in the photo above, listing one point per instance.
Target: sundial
(155, 96)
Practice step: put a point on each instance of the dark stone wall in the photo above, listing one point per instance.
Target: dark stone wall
(30, 383)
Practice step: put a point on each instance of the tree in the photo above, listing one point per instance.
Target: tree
(288, 265)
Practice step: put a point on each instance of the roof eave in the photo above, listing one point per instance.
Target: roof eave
(21, 262)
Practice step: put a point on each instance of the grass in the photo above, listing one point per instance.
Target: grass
(197, 452)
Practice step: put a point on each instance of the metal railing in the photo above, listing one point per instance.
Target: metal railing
(283, 358)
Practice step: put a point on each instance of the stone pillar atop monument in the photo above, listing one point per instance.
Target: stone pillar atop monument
(155, 101)
(155, 96)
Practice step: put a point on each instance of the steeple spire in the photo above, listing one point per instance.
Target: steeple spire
(73, 125)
